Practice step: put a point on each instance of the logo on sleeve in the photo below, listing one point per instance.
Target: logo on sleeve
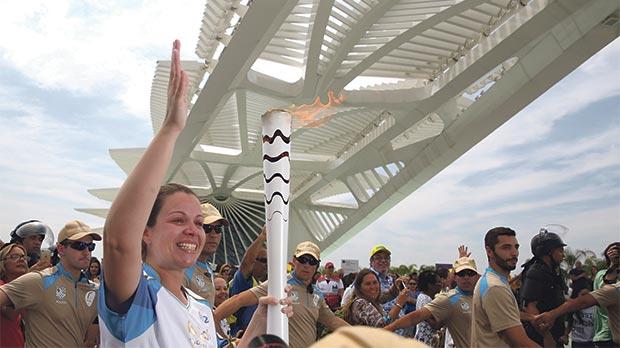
(90, 298)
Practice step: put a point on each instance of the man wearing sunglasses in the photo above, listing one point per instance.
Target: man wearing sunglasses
(61, 302)
(452, 308)
(251, 272)
(199, 278)
(309, 306)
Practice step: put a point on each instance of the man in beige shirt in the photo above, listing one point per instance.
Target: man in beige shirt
(495, 314)
(60, 302)
(308, 303)
(452, 308)
(199, 278)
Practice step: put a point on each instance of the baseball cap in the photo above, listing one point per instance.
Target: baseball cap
(308, 248)
(464, 263)
(329, 264)
(211, 214)
(377, 248)
(75, 230)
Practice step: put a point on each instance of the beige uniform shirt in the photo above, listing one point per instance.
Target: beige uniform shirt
(608, 296)
(59, 309)
(454, 309)
(308, 309)
(199, 279)
(494, 310)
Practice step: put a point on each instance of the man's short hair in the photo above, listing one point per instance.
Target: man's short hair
(426, 279)
(490, 239)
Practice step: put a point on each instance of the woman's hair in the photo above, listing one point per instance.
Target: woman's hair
(357, 293)
(426, 279)
(94, 260)
(164, 192)
(5, 251)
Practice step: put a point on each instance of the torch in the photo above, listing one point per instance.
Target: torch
(276, 173)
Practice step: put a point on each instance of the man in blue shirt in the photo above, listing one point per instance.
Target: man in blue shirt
(251, 272)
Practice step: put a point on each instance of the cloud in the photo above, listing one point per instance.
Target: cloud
(92, 47)
(523, 175)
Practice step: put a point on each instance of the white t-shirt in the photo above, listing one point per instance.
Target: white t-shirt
(181, 325)
(329, 286)
(583, 330)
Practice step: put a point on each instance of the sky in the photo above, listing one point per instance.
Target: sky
(75, 82)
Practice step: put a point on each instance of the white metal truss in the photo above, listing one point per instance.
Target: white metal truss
(453, 71)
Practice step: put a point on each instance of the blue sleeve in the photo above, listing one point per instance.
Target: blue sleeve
(238, 284)
(140, 316)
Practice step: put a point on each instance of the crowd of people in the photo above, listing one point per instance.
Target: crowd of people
(155, 286)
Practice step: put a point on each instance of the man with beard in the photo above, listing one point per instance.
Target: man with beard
(60, 302)
(452, 308)
(543, 287)
(199, 278)
(495, 314)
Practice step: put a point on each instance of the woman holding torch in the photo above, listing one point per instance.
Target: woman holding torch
(165, 225)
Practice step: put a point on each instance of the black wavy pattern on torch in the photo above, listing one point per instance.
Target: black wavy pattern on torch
(277, 133)
(275, 159)
(277, 193)
(274, 213)
(268, 180)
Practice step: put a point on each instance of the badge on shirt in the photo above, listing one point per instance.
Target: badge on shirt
(89, 298)
(61, 293)
(465, 306)
(198, 339)
(294, 297)
(200, 281)
(315, 299)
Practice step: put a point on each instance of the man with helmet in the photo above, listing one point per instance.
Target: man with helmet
(543, 286)
(30, 234)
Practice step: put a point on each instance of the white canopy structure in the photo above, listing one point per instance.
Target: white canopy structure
(446, 74)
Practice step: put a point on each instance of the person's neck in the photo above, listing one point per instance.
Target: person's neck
(171, 280)
(74, 272)
(303, 281)
(10, 277)
(500, 270)
(428, 293)
(203, 257)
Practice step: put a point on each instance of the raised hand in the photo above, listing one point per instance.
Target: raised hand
(176, 111)
(463, 251)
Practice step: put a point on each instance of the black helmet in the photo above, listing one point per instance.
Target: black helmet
(29, 228)
(544, 242)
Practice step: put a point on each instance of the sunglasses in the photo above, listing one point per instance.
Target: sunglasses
(466, 273)
(303, 259)
(81, 245)
(15, 257)
(261, 259)
(212, 228)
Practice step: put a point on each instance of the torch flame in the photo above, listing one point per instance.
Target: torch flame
(317, 113)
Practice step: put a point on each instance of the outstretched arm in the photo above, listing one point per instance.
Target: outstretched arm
(410, 319)
(130, 210)
(546, 319)
(233, 304)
